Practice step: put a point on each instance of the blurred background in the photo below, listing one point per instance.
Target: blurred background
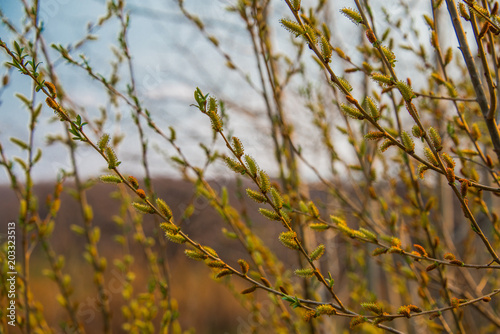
(171, 56)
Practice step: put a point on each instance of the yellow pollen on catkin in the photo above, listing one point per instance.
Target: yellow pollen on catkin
(51, 103)
(52, 89)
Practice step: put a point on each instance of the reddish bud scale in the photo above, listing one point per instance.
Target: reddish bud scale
(371, 36)
(249, 290)
(266, 282)
(489, 162)
(494, 10)
(460, 123)
(351, 99)
(371, 192)
(58, 190)
(386, 90)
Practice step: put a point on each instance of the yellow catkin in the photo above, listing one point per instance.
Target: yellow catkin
(51, 103)
(52, 88)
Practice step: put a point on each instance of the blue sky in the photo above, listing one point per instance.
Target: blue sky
(171, 58)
